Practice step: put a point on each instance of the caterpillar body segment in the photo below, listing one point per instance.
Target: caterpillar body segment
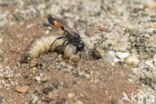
(37, 47)
(69, 53)
(42, 44)
(68, 50)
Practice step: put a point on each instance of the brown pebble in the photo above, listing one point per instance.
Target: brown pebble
(96, 54)
(33, 63)
(79, 102)
(50, 95)
(71, 95)
(22, 89)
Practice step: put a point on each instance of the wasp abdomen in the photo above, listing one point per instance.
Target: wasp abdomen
(55, 22)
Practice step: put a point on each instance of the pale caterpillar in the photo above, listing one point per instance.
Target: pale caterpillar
(42, 44)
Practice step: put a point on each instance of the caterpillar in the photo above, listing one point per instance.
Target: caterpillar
(42, 44)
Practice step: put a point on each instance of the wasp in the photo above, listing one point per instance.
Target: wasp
(71, 36)
(70, 43)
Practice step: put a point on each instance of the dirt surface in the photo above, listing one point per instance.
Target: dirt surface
(105, 83)
(120, 53)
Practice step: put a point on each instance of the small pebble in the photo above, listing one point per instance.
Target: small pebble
(96, 54)
(63, 64)
(132, 61)
(79, 102)
(122, 45)
(47, 32)
(29, 26)
(141, 64)
(45, 79)
(34, 100)
(110, 55)
(33, 63)
(38, 79)
(122, 55)
(50, 95)
(47, 89)
(71, 95)
(22, 89)
(149, 63)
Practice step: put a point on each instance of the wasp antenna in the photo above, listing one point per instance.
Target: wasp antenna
(75, 29)
(84, 56)
(86, 47)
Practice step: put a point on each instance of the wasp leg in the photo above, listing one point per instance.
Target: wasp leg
(63, 45)
(54, 42)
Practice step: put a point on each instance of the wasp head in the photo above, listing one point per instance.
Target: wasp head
(80, 46)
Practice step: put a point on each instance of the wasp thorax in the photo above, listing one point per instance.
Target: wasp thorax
(77, 36)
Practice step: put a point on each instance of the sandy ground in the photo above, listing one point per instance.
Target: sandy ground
(105, 83)
(49, 78)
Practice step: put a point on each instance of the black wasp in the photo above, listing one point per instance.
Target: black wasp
(70, 35)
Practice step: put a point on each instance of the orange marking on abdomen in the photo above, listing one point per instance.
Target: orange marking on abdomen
(57, 24)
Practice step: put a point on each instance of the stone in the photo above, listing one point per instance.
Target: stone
(33, 63)
(45, 79)
(149, 63)
(47, 89)
(38, 79)
(132, 61)
(71, 95)
(22, 89)
(96, 54)
(34, 100)
(110, 55)
(79, 102)
(122, 55)
(50, 95)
